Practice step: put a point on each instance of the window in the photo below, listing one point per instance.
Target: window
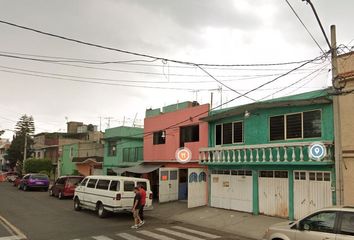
(281, 174)
(189, 134)
(143, 184)
(293, 126)
(228, 133)
(115, 186)
(173, 175)
(159, 137)
(112, 148)
(277, 128)
(132, 154)
(164, 175)
(73, 181)
(312, 124)
(92, 183)
(218, 134)
(128, 186)
(347, 226)
(266, 174)
(83, 183)
(103, 184)
(300, 176)
(321, 222)
(238, 132)
(61, 181)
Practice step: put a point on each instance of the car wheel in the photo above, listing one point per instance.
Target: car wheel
(51, 193)
(77, 205)
(60, 195)
(101, 212)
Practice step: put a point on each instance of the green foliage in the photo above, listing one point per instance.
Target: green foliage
(24, 128)
(1, 132)
(38, 166)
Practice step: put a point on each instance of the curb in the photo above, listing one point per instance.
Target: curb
(16, 233)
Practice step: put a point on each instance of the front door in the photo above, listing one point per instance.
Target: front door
(168, 187)
(197, 187)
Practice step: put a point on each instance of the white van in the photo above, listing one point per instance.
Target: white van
(109, 194)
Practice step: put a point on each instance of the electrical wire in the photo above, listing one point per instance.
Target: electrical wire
(303, 24)
(141, 54)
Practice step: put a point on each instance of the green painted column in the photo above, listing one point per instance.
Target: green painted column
(291, 195)
(255, 192)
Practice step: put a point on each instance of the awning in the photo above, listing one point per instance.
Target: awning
(140, 169)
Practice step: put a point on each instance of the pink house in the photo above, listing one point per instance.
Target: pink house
(165, 132)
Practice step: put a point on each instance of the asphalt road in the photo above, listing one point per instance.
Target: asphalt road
(41, 217)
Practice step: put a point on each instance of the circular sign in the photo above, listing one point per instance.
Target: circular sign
(317, 151)
(183, 155)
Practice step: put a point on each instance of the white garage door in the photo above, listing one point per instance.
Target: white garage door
(168, 188)
(274, 193)
(312, 191)
(197, 187)
(232, 190)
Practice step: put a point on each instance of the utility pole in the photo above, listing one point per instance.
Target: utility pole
(108, 121)
(336, 118)
(25, 149)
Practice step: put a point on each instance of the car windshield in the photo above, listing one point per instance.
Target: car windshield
(74, 181)
(39, 177)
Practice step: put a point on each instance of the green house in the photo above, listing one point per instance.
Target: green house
(273, 157)
(123, 147)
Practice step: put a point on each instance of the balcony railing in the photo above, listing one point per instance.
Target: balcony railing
(281, 153)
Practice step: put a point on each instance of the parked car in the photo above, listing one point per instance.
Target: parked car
(335, 223)
(34, 181)
(17, 181)
(109, 194)
(65, 186)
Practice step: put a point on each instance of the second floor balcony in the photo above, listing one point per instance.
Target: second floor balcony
(277, 153)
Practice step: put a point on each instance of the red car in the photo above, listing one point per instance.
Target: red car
(65, 186)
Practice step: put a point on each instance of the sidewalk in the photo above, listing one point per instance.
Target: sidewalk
(238, 223)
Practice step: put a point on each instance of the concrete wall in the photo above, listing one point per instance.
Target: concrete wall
(346, 116)
(166, 152)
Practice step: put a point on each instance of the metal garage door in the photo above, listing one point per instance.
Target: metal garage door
(274, 193)
(232, 190)
(168, 188)
(197, 187)
(312, 191)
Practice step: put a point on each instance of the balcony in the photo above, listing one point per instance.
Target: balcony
(278, 153)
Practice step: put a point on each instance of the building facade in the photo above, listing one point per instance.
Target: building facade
(258, 156)
(345, 102)
(83, 158)
(4, 145)
(174, 128)
(123, 148)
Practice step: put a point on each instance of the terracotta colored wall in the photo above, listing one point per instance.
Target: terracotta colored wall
(83, 169)
(167, 151)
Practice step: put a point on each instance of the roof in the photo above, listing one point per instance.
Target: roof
(84, 159)
(104, 177)
(314, 97)
(124, 132)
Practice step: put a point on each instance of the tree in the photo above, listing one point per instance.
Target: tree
(1, 132)
(38, 166)
(23, 130)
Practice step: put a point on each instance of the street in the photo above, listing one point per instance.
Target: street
(41, 217)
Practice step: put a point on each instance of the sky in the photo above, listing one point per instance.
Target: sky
(215, 32)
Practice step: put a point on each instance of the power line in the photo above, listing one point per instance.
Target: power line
(135, 72)
(303, 24)
(319, 22)
(223, 83)
(140, 54)
(36, 57)
(95, 82)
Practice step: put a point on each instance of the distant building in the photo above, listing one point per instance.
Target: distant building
(4, 145)
(123, 147)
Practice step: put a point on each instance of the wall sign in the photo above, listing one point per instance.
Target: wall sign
(317, 151)
(183, 155)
